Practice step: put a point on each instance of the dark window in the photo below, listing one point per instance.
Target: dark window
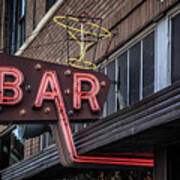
(134, 78)
(49, 4)
(46, 140)
(148, 65)
(16, 24)
(4, 151)
(176, 48)
(122, 82)
(111, 94)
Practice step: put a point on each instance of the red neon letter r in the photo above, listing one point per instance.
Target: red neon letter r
(88, 95)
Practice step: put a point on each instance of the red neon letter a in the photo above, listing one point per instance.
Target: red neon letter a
(49, 78)
(88, 95)
(13, 86)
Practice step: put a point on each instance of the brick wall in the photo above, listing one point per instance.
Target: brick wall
(40, 9)
(29, 17)
(51, 43)
(31, 146)
(35, 10)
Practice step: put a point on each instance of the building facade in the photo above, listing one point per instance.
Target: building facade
(141, 59)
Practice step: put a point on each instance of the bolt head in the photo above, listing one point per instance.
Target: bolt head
(103, 83)
(22, 112)
(67, 91)
(70, 112)
(47, 110)
(67, 72)
(38, 67)
(28, 88)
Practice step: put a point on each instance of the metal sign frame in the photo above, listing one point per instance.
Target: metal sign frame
(37, 91)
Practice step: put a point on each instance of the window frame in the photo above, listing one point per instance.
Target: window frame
(114, 57)
(45, 141)
(172, 15)
(16, 25)
(162, 60)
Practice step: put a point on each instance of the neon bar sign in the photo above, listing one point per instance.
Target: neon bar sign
(29, 89)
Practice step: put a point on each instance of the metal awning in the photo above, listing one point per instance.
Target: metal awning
(133, 130)
(149, 122)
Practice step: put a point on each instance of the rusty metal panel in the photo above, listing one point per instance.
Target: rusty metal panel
(33, 71)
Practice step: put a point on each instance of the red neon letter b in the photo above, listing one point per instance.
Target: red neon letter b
(13, 86)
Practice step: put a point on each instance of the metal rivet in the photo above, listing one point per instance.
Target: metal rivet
(70, 112)
(47, 110)
(28, 88)
(103, 83)
(67, 91)
(67, 72)
(22, 112)
(38, 67)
